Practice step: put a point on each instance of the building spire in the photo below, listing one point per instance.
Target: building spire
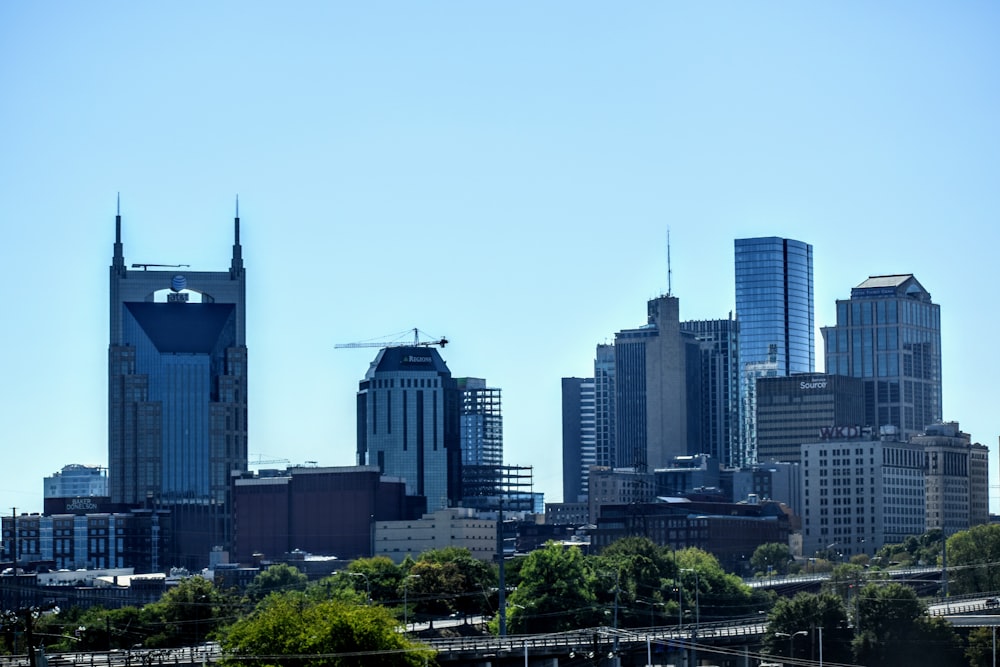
(236, 268)
(118, 261)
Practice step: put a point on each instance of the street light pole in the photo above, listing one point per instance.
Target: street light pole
(697, 614)
(652, 606)
(406, 608)
(680, 607)
(791, 640)
(368, 585)
(697, 601)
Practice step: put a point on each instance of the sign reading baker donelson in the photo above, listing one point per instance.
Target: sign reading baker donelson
(81, 504)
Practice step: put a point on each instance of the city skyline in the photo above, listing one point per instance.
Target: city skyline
(504, 176)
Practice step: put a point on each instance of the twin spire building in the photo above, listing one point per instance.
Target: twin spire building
(177, 384)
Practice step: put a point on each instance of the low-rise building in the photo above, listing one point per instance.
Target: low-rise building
(325, 511)
(729, 531)
(137, 539)
(614, 486)
(448, 527)
(770, 481)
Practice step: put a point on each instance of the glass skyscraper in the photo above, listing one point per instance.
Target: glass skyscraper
(889, 334)
(605, 420)
(719, 387)
(177, 383)
(774, 309)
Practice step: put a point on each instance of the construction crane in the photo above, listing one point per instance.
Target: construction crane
(261, 461)
(397, 342)
(145, 267)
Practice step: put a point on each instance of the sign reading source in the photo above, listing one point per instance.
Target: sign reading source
(813, 384)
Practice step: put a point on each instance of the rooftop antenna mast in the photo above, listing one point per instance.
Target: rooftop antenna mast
(670, 273)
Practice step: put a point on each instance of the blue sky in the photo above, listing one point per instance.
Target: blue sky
(500, 173)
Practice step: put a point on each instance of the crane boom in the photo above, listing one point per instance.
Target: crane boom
(396, 342)
(146, 266)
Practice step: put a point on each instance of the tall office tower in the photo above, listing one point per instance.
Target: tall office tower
(718, 343)
(656, 383)
(409, 423)
(605, 420)
(774, 308)
(889, 334)
(177, 385)
(578, 435)
(805, 408)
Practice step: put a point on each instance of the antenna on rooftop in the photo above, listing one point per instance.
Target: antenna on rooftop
(670, 273)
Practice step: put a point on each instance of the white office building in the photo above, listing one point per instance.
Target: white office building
(860, 493)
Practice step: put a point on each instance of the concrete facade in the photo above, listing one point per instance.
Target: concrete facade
(656, 389)
(957, 478)
(860, 494)
(450, 527)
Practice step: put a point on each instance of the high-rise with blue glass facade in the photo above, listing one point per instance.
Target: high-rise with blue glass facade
(774, 309)
(889, 335)
(177, 382)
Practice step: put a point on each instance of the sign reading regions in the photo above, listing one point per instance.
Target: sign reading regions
(413, 359)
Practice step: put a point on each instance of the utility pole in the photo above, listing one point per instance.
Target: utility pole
(501, 583)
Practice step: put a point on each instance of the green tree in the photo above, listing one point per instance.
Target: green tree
(973, 554)
(846, 580)
(922, 549)
(807, 612)
(278, 577)
(187, 614)
(383, 577)
(292, 630)
(114, 628)
(637, 570)
(894, 630)
(556, 592)
(720, 595)
(979, 650)
(467, 580)
(771, 557)
(434, 587)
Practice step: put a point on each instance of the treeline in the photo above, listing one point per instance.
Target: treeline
(631, 584)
